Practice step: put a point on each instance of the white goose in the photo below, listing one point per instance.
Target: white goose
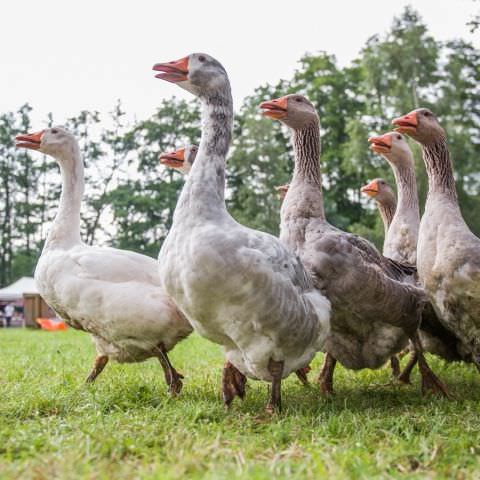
(239, 287)
(114, 295)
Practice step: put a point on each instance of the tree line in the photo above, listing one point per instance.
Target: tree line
(130, 198)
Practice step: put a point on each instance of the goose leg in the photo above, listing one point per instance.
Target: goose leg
(325, 379)
(233, 384)
(404, 377)
(302, 373)
(395, 365)
(275, 402)
(98, 366)
(172, 377)
(430, 382)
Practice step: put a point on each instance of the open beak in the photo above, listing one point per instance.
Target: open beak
(406, 124)
(276, 109)
(176, 71)
(30, 140)
(371, 189)
(174, 159)
(381, 144)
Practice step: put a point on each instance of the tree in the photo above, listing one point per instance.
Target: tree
(144, 200)
(260, 160)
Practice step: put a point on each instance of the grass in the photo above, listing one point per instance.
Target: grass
(52, 425)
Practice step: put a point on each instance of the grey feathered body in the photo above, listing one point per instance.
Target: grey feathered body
(401, 237)
(449, 268)
(243, 290)
(374, 310)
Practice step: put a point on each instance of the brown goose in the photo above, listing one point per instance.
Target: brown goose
(282, 190)
(434, 336)
(401, 238)
(448, 253)
(374, 310)
(384, 197)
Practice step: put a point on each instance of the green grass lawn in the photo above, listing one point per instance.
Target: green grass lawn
(53, 425)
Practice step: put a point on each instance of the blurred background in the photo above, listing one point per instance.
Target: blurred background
(87, 65)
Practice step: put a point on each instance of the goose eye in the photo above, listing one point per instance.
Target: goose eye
(298, 99)
(201, 58)
(54, 131)
(399, 137)
(427, 114)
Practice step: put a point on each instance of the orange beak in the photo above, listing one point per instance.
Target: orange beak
(381, 144)
(371, 189)
(282, 190)
(31, 141)
(275, 109)
(176, 71)
(406, 124)
(173, 159)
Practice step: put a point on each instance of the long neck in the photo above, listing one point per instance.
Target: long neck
(304, 197)
(408, 209)
(204, 192)
(439, 169)
(387, 211)
(65, 230)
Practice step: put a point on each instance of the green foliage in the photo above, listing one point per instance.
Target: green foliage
(126, 426)
(130, 198)
(260, 161)
(143, 204)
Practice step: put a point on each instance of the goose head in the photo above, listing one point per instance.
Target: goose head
(380, 190)
(198, 73)
(181, 159)
(393, 146)
(282, 190)
(56, 141)
(294, 110)
(420, 124)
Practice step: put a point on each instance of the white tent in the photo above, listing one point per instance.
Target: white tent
(16, 290)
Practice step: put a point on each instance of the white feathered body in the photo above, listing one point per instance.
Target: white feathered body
(114, 295)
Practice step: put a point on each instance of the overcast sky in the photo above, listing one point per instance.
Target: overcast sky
(64, 56)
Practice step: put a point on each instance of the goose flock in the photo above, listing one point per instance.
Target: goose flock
(273, 303)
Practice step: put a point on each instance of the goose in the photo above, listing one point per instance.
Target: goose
(240, 288)
(402, 232)
(434, 337)
(181, 159)
(115, 295)
(282, 190)
(375, 311)
(384, 197)
(448, 253)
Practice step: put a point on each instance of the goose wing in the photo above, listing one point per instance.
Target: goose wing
(112, 265)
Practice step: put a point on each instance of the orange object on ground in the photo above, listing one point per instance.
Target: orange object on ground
(51, 325)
